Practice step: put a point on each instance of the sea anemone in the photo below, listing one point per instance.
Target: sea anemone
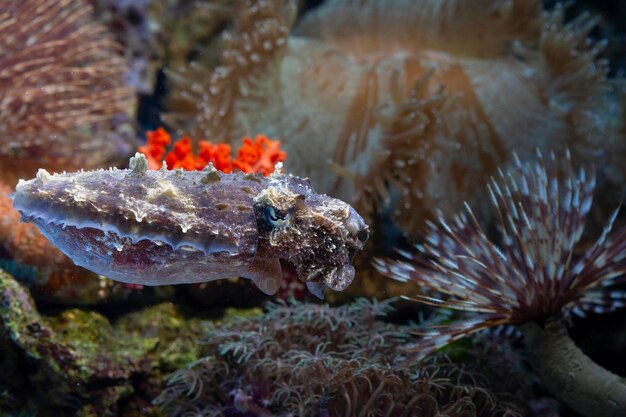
(536, 275)
(412, 104)
(61, 86)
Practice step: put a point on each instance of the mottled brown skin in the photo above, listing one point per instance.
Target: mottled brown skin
(171, 227)
(317, 236)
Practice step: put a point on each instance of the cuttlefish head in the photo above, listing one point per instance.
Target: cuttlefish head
(317, 234)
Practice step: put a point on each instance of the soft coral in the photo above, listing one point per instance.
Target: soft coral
(259, 155)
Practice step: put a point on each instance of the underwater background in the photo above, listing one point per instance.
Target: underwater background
(457, 250)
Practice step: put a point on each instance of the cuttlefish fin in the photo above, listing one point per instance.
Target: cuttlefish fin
(266, 273)
(316, 288)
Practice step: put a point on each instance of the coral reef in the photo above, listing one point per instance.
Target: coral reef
(293, 358)
(311, 360)
(536, 275)
(64, 103)
(78, 363)
(398, 110)
(406, 99)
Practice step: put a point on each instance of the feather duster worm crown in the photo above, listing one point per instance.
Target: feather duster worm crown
(406, 98)
(536, 270)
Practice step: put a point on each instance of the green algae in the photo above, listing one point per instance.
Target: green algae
(101, 349)
(176, 336)
(78, 353)
(76, 345)
(77, 362)
(241, 313)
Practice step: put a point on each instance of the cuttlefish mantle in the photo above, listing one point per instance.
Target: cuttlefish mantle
(172, 227)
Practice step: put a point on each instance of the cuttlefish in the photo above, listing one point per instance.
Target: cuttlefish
(161, 227)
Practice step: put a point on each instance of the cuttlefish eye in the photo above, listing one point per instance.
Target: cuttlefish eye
(362, 235)
(275, 219)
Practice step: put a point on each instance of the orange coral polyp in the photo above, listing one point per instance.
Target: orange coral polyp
(154, 149)
(258, 156)
(158, 137)
(182, 155)
(218, 154)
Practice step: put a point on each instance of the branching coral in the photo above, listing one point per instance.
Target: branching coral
(307, 359)
(535, 273)
(413, 103)
(61, 82)
(254, 156)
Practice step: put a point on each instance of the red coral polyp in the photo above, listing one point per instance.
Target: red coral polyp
(260, 155)
(181, 156)
(254, 156)
(154, 149)
(218, 154)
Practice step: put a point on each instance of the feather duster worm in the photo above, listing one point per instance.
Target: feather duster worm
(61, 84)
(535, 276)
(535, 272)
(413, 103)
